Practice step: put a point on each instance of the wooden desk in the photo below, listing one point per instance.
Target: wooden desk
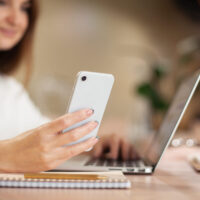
(173, 179)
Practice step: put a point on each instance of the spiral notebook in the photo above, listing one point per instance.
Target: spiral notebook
(114, 179)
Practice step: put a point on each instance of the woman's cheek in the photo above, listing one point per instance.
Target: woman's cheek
(26, 23)
(2, 14)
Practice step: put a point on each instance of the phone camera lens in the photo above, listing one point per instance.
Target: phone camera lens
(84, 78)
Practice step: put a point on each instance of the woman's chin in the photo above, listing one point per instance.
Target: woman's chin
(6, 46)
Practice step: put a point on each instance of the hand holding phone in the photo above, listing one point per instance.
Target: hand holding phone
(91, 90)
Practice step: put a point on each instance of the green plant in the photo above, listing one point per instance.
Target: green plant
(149, 89)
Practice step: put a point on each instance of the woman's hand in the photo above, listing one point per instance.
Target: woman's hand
(43, 148)
(114, 141)
(113, 146)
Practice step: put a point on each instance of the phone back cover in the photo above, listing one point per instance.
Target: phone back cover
(92, 93)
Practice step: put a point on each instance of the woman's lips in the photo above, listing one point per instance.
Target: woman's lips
(8, 32)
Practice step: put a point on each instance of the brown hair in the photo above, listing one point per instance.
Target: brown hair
(11, 59)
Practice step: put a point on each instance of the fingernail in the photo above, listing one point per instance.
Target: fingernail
(95, 139)
(89, 111)
(94, 124)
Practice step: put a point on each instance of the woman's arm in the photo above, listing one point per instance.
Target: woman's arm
(43, 148)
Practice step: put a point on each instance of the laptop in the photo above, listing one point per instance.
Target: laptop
(151, 147)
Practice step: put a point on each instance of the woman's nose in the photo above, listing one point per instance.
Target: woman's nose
(13, 17)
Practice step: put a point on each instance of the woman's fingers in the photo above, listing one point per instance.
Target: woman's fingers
(125, 150)
(70, 151)
(56, 156)
(98, 150)
(119, 148)
(133, 154)
(74, 134)
(114, 146)
(66, 121)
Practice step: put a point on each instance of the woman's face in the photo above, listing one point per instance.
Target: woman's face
(13, 22)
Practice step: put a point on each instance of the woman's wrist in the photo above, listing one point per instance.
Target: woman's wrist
(4, 157)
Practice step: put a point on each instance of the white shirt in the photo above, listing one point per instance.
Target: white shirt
(17, 112)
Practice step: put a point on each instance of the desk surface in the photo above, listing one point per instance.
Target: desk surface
(173, 179)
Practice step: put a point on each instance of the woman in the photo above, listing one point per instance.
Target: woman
(42, 148)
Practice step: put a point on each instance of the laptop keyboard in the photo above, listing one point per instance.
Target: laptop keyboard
(114, 163)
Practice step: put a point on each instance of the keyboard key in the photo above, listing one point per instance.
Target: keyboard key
(110, 163)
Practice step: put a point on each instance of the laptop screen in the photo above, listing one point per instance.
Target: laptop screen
(160, 140)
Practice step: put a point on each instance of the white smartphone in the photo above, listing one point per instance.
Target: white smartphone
(91, 90)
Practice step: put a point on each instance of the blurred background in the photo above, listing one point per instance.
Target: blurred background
(149, 46)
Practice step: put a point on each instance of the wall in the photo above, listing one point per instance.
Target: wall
(120, 37)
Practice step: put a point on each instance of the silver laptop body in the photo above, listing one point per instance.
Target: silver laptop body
(154, 145)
